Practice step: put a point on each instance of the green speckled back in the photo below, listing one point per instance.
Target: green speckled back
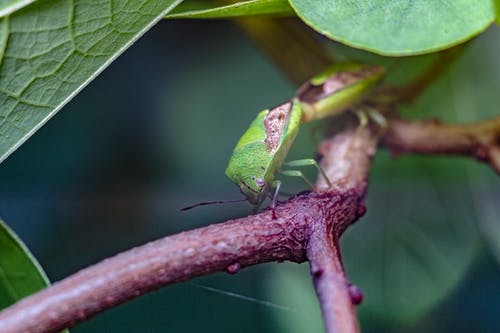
(253, 163)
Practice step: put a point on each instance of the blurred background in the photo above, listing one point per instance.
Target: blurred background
(153, 134)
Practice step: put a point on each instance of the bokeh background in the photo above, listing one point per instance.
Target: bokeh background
(153, 134)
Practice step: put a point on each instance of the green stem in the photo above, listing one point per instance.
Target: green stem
(408, 93)
(290, 46)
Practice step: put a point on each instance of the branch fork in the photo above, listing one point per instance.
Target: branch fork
(306, 227)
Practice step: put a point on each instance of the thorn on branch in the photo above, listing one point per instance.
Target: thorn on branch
(355, 293)
(233, 268)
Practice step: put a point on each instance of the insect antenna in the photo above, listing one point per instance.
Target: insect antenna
(206, 203)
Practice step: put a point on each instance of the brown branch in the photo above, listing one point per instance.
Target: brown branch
(310, 222)
(346, 161)
(480, 140)
(306, 226)
(329, 280)
(227, 246)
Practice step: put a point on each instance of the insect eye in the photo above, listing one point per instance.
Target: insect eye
(260, 182)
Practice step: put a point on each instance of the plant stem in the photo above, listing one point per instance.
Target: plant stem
(226, 246)
(480, 140)
(290, 46)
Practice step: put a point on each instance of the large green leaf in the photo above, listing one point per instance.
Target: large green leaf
(8, 7)
(290, 284)
(486, 199)
(408, 253)
(213, 9)
(52, 49)
(20, 273)
(418, 239)
(397, 27)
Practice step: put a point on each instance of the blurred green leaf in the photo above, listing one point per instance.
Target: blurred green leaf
(214, 9)
(412, 249)
(418, 239)
(485, 200)
(8, 7)
(290, 284)
(20, 273)
(497, 7)
(397, 27)
(52, 49)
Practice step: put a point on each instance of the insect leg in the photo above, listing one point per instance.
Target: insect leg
(305, 162)
(297, 173)
(379, 119)
(276, 184)
(362, 118)
(366, 114)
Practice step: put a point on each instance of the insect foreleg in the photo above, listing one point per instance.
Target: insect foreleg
(276, 186)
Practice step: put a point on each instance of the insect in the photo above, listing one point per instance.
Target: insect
(262, 149)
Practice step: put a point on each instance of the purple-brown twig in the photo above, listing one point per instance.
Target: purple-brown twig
(307, 226)
(480, 140)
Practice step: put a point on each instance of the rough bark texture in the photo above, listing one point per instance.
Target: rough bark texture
(307, 226)
(218, 247)
(226, 246)
(346, 161)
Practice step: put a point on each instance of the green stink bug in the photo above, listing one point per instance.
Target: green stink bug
(337, 89)
(262, 149)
